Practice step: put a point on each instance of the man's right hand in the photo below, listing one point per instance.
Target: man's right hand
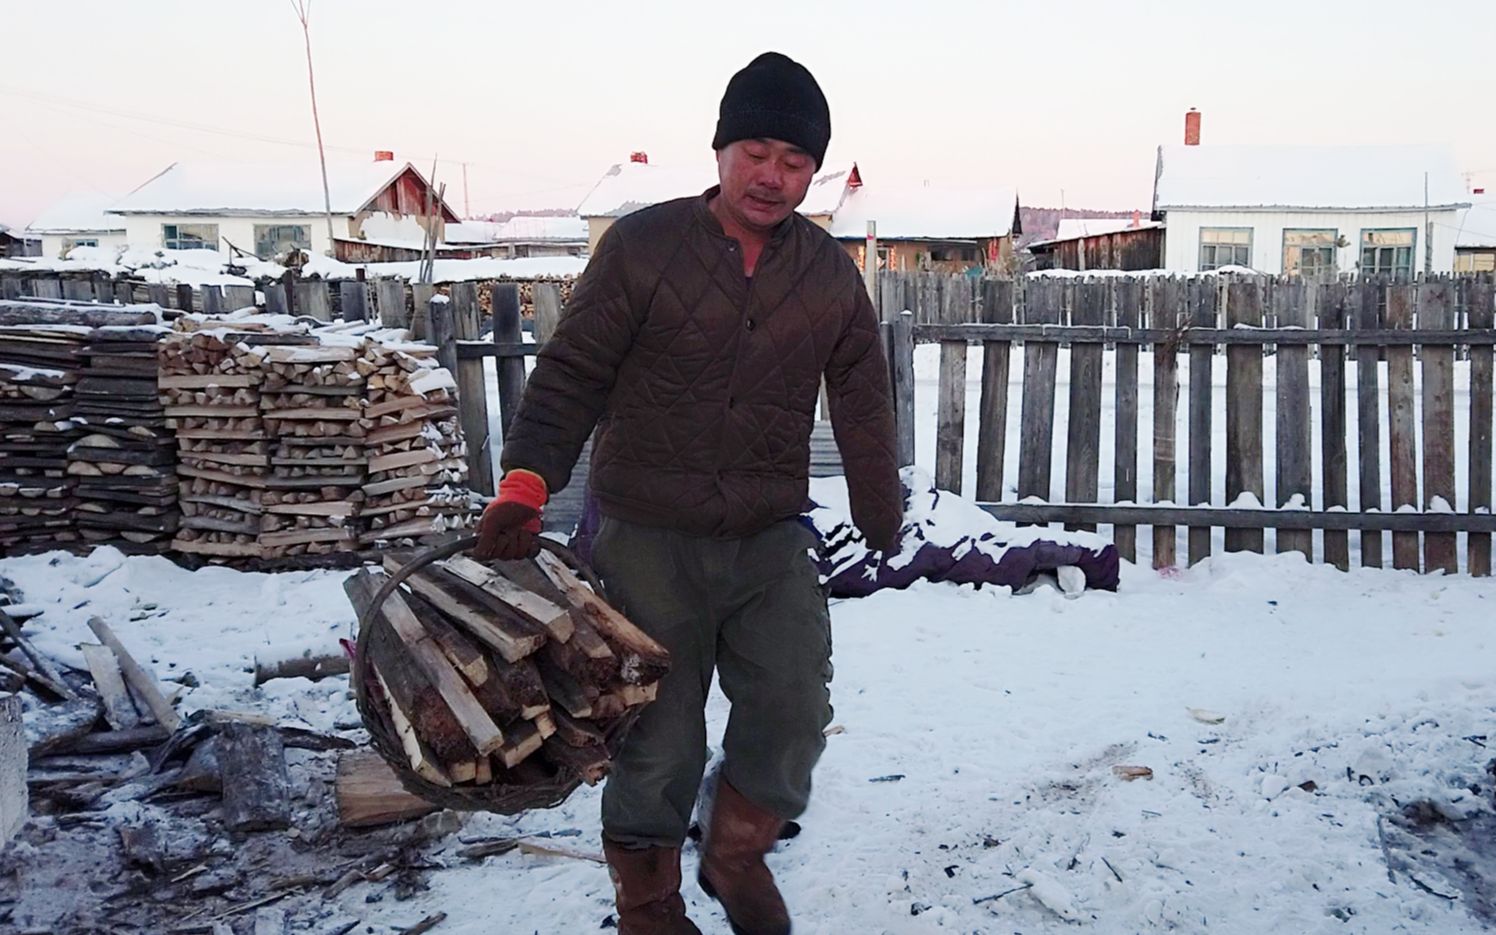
(511, 521)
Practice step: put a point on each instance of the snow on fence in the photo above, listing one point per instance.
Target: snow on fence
(1396, 344)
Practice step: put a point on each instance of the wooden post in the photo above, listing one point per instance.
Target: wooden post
(870, 263)
(1436, 312)
(237, 297)
(50, 287)
(1244, 412)
(185, 299)
(10, 286)
(1402, 431)
(472, 389)
(1170, 314)
(1083, 441)
(992, 424)
(1332, 316)
(1043, 303)
(1294, 429)
(212, 300)
(124, 292)
(389, 303)
(1367, 317)
(902, 364)
(547, 299)
(443, 332)
(288, 282)
(950, 419)
(1129, 301)
(1482, 296)
(103, 287)
(312, 299)
(1204, 309)
(353, 296)
(276, 302)
(420, 326)
(504, 300)
(77, 290)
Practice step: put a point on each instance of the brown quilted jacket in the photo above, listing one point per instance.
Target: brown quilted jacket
(703, 385)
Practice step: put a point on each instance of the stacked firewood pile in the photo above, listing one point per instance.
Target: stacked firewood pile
(511, 675)
(124, 461)
(311, 401)
(210, 387)
(417, 457)
(39, 367)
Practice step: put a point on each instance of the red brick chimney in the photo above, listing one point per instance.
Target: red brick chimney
(1192, 128)
(641, 157)
(383, 155)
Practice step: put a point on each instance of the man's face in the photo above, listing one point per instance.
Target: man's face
(763, 181)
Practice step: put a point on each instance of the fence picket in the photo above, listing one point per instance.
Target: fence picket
(903, 385)
(992, 422)
(1083, 442)
(1128, 304)
(389, 301)
(1244, 461)
(950, 417)
(1368, 419)
(1168, 313)
(1332, 314)
(1204, 308)
(1436, 310)
(1036, 449)
(1482, 295)
(353, 298)
(1294, 428)
(472, 390)
(1402, 433)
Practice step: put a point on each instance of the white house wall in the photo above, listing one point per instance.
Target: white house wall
(54, 245)
(144, 230)
(1182, 235)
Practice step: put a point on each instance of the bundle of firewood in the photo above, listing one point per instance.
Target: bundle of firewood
(311, 402)
(511, 675)
(417, 456)
(210, 386)
(38, 374)
(124, 462)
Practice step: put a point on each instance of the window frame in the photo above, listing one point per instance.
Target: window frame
(1412, 248)
(1332, 247)
(258, 228)
(1202, 244)
(174, 242)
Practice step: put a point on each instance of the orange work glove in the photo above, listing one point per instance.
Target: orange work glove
(511, 520)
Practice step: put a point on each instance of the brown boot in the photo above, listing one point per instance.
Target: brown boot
(733, 871)
(647, 882)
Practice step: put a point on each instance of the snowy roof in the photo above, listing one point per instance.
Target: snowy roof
(261, 188)
(1078, 228)
(630, 186)
(633, 185)
(1478, 225)
(521, 228)
(76, 213)
(1353, 178)
(927, 213)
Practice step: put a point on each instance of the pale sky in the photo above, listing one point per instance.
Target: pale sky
(1062, 100)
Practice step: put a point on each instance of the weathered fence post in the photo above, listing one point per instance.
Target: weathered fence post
(1294, 429)
(353, 296)
(507, 335)
(312, 299)
(46, 287)
(276, 301)
(1083, 435)
(1129, 314)
(421, 293)
(1332, 316)
(1043, 305)
(1170, 314)
(950, 418)
(1402, 422)
(472, 389)
(288, 283)
(1203, 313)
(389, 303)
(546, 297)
(1482, 295)
(1436, 313)
(1368, 418)
(185, 298)
(237, 297)
(212, 300)
(902, 364)
(77, 290)
(992, 423)
(1244, 461)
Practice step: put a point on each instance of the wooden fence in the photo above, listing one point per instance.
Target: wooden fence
(1416, 327)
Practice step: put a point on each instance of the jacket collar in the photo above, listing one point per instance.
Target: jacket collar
(714, 226)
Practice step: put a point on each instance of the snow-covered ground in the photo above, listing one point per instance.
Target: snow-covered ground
(979, 735)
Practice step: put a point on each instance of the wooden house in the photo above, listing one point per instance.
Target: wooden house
(1102, 244)
(924, 228)
(1475, 241)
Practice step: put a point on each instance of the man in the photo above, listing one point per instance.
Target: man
(696, 342)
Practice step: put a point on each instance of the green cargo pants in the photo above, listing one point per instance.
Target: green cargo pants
(753, 610)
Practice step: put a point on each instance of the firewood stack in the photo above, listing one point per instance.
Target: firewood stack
(124, 463)
(311, 401)
(210, 385)
(417, 456)
(38, 374)
(511, 675)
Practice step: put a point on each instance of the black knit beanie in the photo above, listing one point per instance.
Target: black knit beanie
(775, 98)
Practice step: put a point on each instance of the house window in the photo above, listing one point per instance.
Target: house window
(1388, 252)
(1310, 253)
(272, 240)
(69, 243)
(1225, 246)
(189, 236)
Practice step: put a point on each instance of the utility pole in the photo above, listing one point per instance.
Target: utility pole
(303, 10)
(1428, 233)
